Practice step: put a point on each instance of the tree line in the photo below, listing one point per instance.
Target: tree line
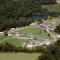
(8, 24)
(57, 30)
(12, 10)
(52, 52)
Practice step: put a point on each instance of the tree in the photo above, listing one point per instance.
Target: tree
(52, 52)
(23, 21)
(40, 21)
(6, 33)
(57, 30)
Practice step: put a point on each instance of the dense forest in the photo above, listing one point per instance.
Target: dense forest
(12, 11)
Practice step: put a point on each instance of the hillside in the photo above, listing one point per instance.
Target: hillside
(53, 8)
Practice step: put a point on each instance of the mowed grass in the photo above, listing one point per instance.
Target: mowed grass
(19, 56)
(17, 41)
(30, 30)
(14, 41)
(33, 30)
(2, 37)
(53, 8)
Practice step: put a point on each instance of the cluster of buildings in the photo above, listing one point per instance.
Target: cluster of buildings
(47, 26)
(33, 40)
(34, 43)
(44, 26)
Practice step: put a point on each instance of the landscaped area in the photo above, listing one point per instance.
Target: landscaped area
(24, 33)
(34, 31)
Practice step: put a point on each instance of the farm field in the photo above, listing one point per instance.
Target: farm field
(11, 40)
(19, 56)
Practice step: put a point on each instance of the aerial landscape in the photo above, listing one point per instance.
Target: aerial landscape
(29, 29)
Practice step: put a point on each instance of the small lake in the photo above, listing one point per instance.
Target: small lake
(37, 17)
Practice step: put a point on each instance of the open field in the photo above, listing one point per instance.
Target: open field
(11, 40)
(19, 56)
(29, 30)
(2, 37)
(55, 20)
(15, 41)
(53, 8)
(35, 31)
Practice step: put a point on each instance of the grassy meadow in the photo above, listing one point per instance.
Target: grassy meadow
(53, 8)
(19, 56)
(55, 21)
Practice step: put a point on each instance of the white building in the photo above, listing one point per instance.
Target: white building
(33, 24)
(1, 33)
(9, 34)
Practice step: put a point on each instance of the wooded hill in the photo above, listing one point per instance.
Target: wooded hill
(12, 10)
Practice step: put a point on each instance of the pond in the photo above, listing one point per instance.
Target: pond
(37, 17)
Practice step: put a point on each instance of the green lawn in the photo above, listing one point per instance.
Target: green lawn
(29, 30)
(53, 8)
(37, 31)
(14, 41)
(19, 56)
(2, 37)
(18, 42)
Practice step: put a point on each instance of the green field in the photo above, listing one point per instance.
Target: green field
(53, 8)
(37, 31)
(2, 37)
(14, 41)
(19, 56)
(56, 20)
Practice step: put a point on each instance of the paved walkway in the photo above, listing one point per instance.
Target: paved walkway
(18, 29)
